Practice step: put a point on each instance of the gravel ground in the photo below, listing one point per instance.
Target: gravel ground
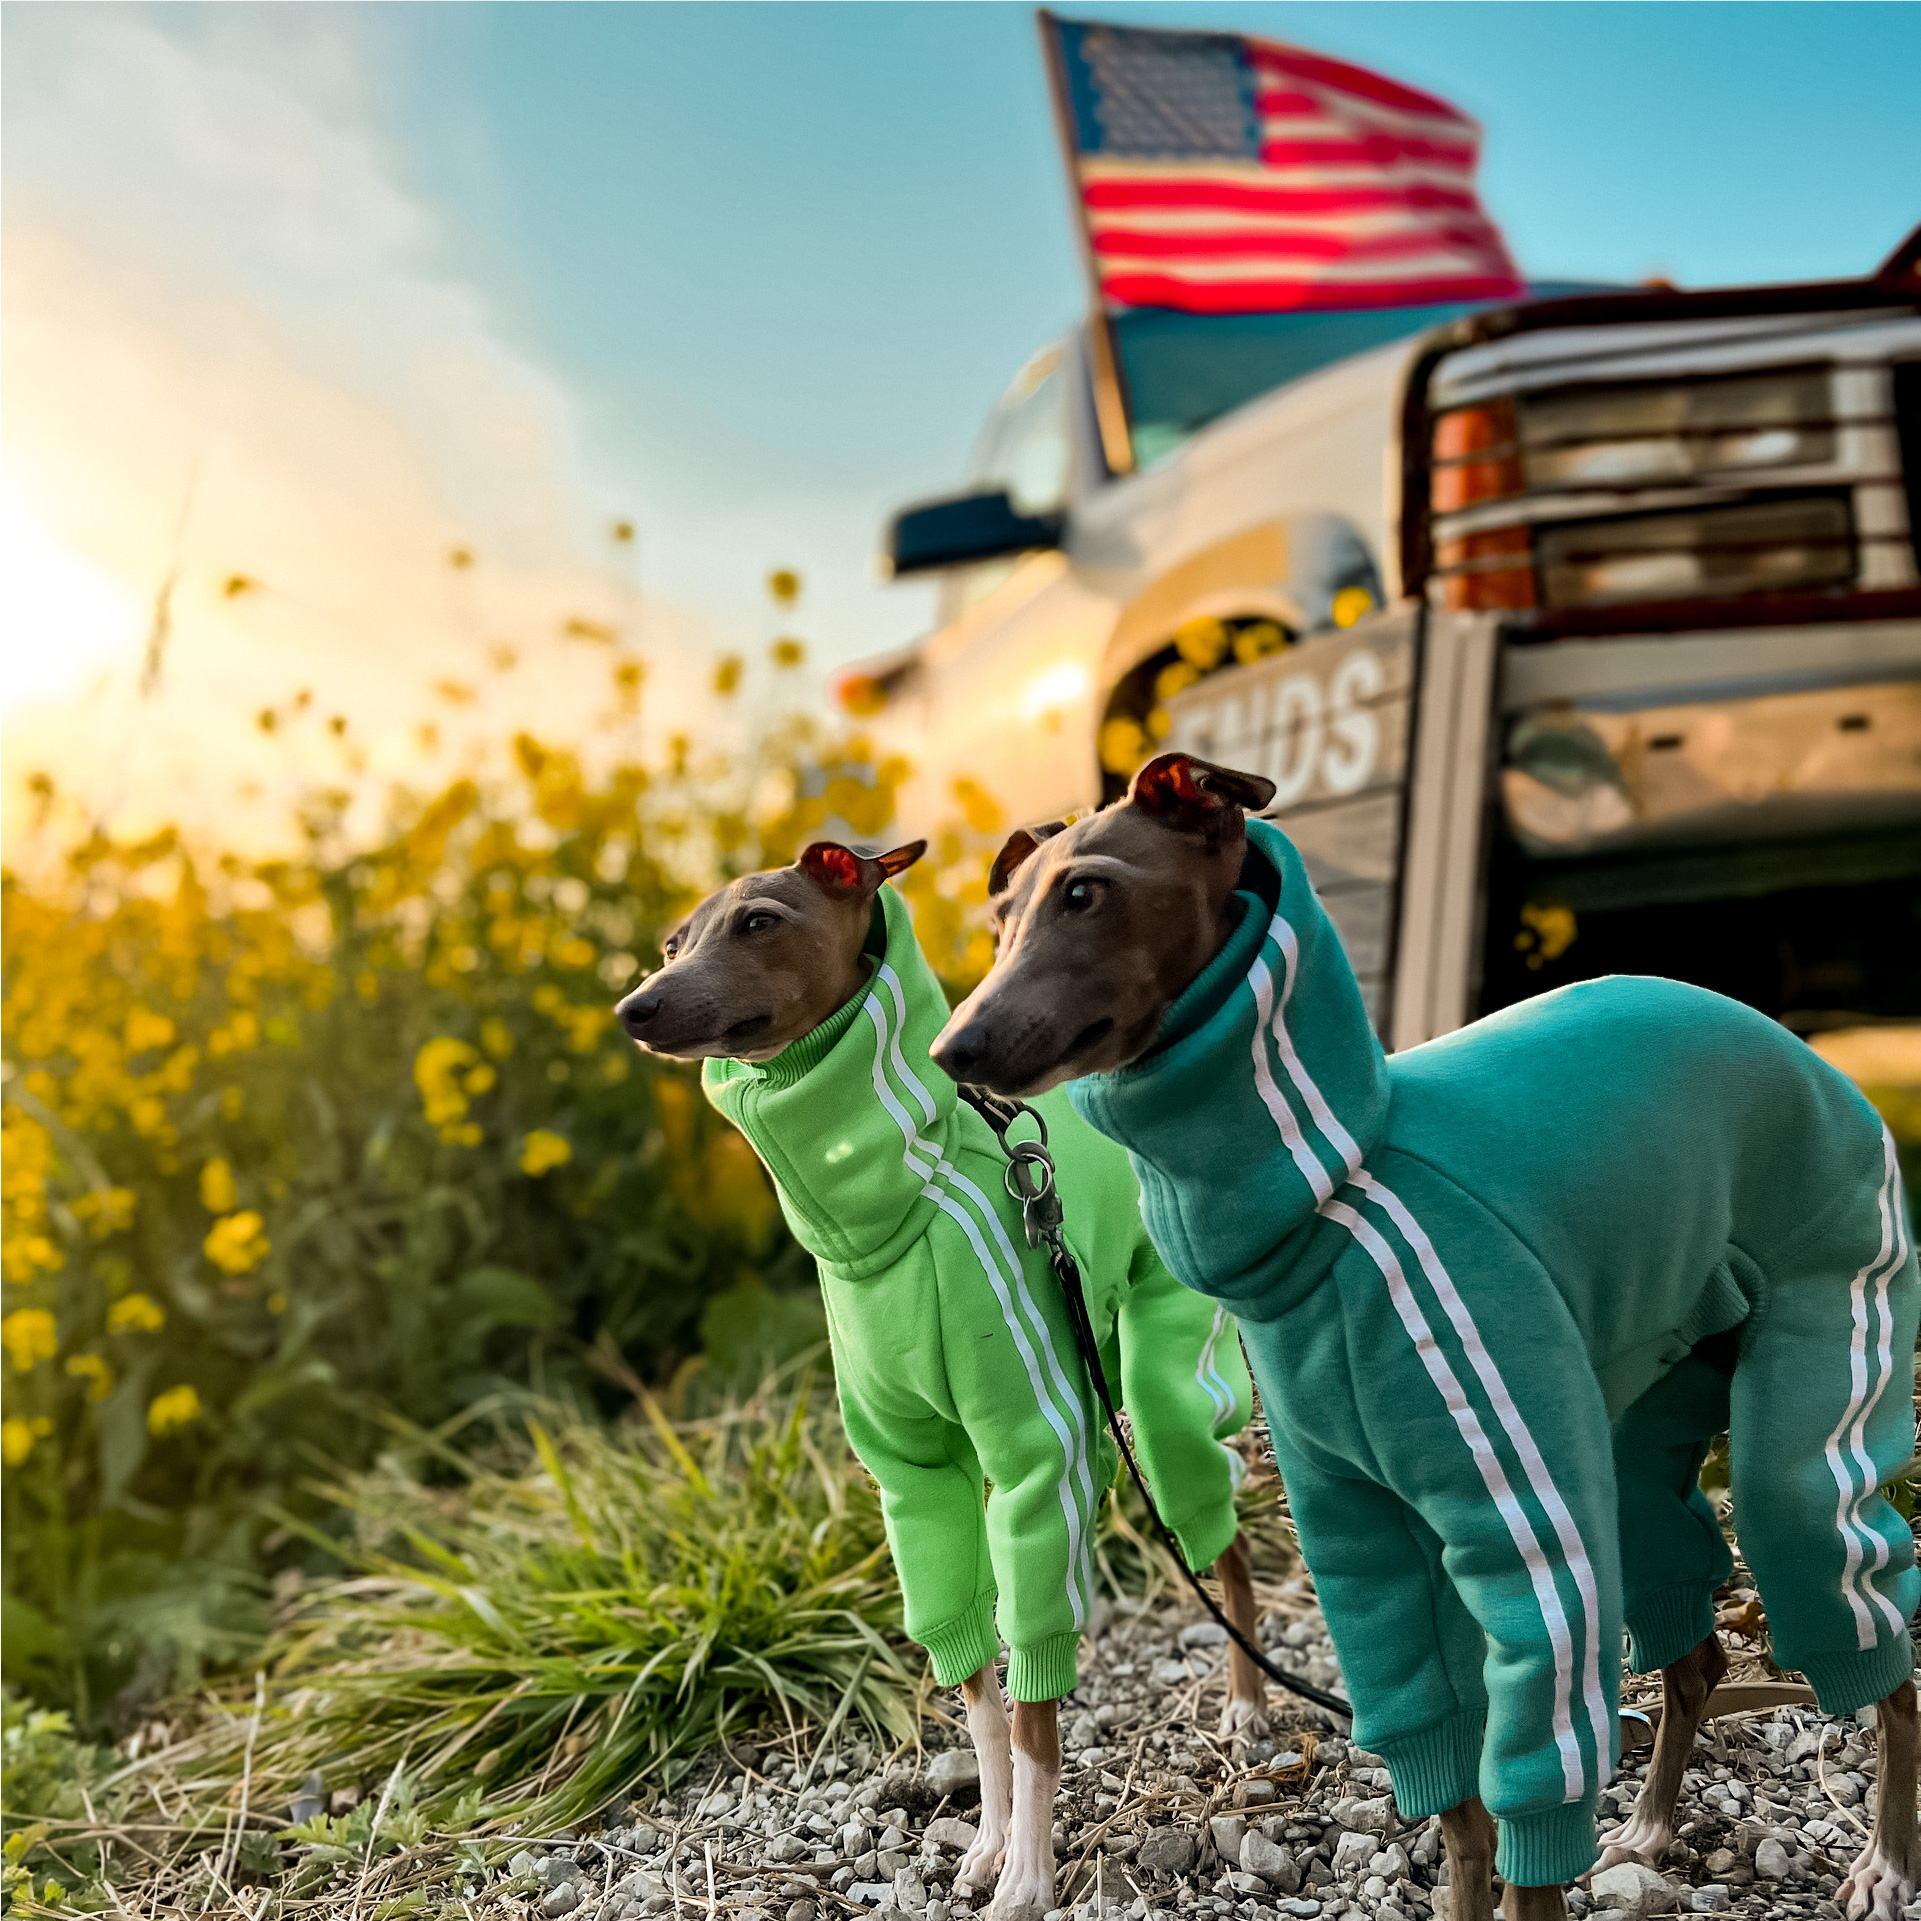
(1156, 1819)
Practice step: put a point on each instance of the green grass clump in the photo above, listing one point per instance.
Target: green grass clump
(557, 1626)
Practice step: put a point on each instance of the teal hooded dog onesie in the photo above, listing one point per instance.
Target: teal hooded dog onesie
(1500, 1292)
(953, 1352)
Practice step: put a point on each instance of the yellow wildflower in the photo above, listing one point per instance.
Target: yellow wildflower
(17, 1436)
(1174, 678)
(544, 1150)
(217, 1191)
(1122, 745)
(28, 1254)
(788, 652)
(1349, 605)
(106, 1210)
(136, 1314)
(237, 1242)
(29, 1336)
(1202, 642)
(495, 1037)
(727, 674)
(462, 1134)
(177, 1407)
(94, 1371)
(436, 1070)
(145, 1030)
(983, 814)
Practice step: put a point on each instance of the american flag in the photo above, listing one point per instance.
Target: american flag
(1221, 174)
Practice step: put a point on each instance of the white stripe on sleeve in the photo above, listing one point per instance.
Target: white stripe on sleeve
(920, 1158)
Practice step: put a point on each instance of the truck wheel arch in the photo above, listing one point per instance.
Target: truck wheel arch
(1285, 571)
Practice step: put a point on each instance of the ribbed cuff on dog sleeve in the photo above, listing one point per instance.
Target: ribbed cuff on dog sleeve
(1844, 1683)
(966, 1644)
(1045, 1671)
(1547, 1849)
(1668, 1623)
(1207, 1534)
(1436, 1767)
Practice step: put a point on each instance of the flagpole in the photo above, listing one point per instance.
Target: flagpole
(1103, 358)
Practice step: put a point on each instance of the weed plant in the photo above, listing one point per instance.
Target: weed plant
(551, 1628)
(289, 1141)
(533, 1616)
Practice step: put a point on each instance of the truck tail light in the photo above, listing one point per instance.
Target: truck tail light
(1487, 572)
(1476, 457)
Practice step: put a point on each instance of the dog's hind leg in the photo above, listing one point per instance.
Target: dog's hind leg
(1883, 1880)
(1467, 1832)
(1027, 1877)
(993, 1749)
(1534, 1904)
(1244, 1718)
(1648, 1832)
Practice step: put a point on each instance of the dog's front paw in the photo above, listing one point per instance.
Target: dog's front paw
(1639, 1838)
(1877, 1888)
(1242, 1719)
(981, 1863)
(1026, 1889)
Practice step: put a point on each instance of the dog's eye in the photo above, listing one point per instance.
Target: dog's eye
(1079, 895)
(670, 948)
(759, 923)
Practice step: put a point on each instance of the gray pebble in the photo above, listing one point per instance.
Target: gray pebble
(953, 1771)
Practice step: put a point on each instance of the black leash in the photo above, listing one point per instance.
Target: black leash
(1030, 1180)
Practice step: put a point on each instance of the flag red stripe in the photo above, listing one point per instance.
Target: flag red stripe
(1296, 63)
(1184, 192)
(1140, 243)
(1367, 150)
(1300, 296)
(1274, 102)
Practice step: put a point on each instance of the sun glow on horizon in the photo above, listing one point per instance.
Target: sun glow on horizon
(63, 618)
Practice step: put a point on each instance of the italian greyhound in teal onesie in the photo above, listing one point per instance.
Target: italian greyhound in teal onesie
(1500, 1292)
(804, 993)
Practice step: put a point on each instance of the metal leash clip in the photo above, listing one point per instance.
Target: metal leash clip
(1029, 1174)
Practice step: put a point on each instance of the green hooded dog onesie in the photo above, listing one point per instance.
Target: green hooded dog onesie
(1500, 1293)
(953, 1352)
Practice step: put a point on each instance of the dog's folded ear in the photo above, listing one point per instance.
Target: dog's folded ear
(897, 860)
(1193, 795)
(842, 874)
(1020, 843)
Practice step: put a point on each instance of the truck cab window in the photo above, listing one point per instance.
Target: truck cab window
(1024, 447)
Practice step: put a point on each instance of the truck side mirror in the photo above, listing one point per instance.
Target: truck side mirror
(964, 528)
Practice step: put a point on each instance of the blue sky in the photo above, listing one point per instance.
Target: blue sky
(806, 244)
(356, 281)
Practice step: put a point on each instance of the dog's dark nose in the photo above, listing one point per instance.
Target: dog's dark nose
(957, 1055)
(637, 1010)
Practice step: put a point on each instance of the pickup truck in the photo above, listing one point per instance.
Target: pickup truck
(1580, 635)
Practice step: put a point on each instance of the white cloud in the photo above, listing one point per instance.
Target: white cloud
(218, 299)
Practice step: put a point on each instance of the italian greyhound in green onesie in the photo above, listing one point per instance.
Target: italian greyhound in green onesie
(1500, 1293)
(811, 1005)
